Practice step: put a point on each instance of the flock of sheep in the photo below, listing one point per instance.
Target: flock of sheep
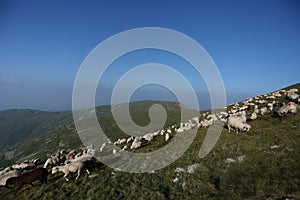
(67, 163)
(236, 117)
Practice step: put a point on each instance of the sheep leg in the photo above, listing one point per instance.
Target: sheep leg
(87, 171)
(66, 174)
(78, 174)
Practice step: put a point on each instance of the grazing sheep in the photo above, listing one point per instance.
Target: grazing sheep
(24, 165)
(235, 123)
(242, 116)
(40, 174)
(70, 155)
(8, 174)
(4, 171)
(130, 139)
(118, 141)
(204, 123)
(246, 127)
(167, 136)
(125, 148)
(293, 96)
(292, 107)
(279, 109)
(148, 137)
(263, 110)
(253, 116)
(71, 167)
(54, 160)
(136, 144)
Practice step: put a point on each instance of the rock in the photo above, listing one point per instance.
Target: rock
(274, 147)
(191, 168)
(179, 169)
(175, 180)
(93, 175)
(230, 160)
(241, 158)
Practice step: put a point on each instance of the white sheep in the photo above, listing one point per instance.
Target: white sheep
(253, 116)
(167, 136)
(71, 167)
(8, 174)
(292, 107)
(125, 148)
(53, 160)
(293, 96)
(236, 124)
(148, 137)
(136, 143)
(280, 109)
(263, 110)
(24, 165)
(129, 139)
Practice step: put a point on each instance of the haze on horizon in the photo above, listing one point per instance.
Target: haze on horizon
(255, 44)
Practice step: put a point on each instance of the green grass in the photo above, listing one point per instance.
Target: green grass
(264, 174)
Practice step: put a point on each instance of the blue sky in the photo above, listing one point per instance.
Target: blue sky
(255, 44)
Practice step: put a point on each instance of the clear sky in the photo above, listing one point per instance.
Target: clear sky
(255, 44)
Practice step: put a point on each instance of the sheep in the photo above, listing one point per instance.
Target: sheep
(71, 167)
(24, 165)
(120, 141)
(204, 123)
(130, 139)
(54, 160)
(86, 156)
(234, 122)
(136, 144)
(263, 110)
(279, 109)
(246, 127)
(293, 96)
(40, 174)
(7, 169)
(180, 130)
(253, 116)
(125, 148)
(167, 136)
(148, 137)
(292, 107)
(293, 90)
(242, 116)
(70, 155)
(9, 172)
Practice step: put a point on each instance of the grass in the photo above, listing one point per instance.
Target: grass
(265, 173)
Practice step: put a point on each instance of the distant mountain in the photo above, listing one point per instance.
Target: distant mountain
(19, 124)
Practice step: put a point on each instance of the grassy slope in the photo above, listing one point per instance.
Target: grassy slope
(265, 173)
(20, 124)
(65, 136)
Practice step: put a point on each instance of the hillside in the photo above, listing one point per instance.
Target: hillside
(260, 164)
(63, 134)
(17, 125)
